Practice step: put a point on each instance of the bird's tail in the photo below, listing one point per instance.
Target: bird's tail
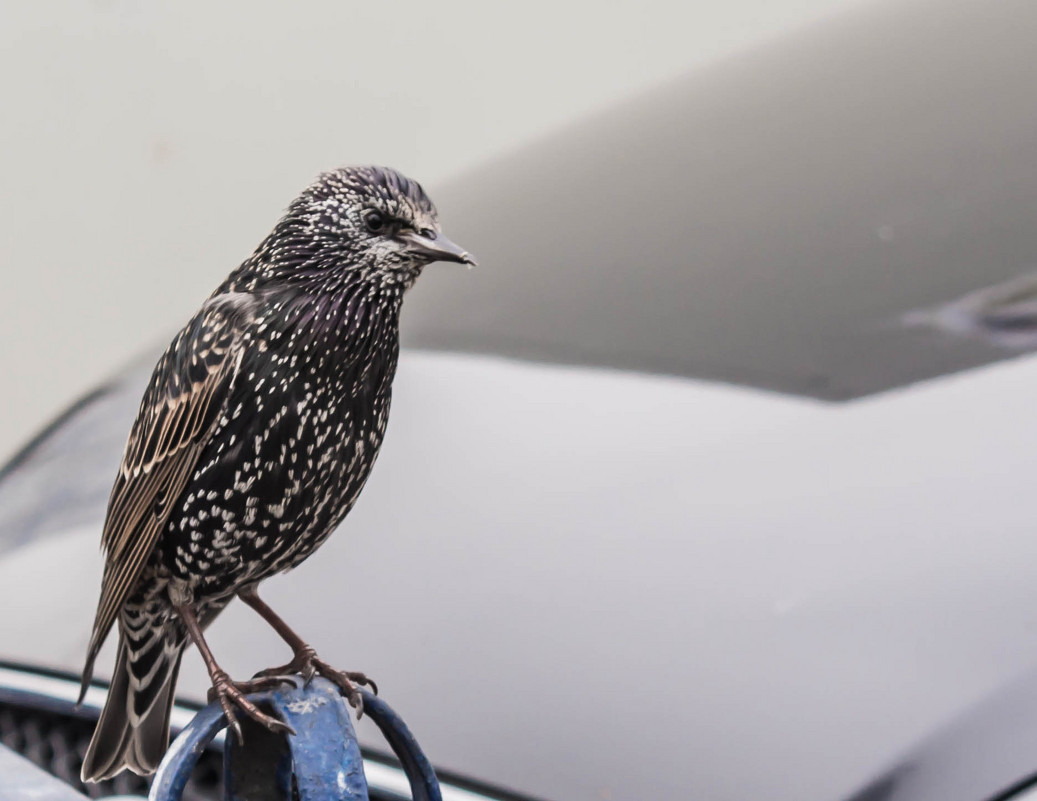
(133, 731)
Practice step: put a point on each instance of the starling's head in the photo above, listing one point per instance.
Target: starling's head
(365, 221)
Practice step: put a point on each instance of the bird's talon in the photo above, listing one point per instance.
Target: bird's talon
(232, 722)
(362, 680)
(232, 695)
(267, 683)
(356, 700)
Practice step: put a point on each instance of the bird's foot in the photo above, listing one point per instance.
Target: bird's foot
(348, 681)
(301, 665)
(260, 683)
(231, 695)
(307, 664)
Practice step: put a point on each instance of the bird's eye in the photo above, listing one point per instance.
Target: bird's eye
(374, 221)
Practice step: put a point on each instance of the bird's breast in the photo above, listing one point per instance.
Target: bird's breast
(292, 451)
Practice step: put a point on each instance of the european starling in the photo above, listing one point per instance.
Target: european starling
(253, 440)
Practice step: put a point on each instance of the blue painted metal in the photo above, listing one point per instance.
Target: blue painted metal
(180, 759)
(322, 759)
(424, 786)
(324, 755)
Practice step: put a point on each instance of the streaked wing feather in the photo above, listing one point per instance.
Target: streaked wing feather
(177, 416)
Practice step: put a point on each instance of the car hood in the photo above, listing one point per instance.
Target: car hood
(584, 584)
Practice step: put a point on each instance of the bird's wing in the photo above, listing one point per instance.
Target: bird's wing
(180, 410)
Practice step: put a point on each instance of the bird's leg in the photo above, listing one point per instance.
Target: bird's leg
(305, 661)
(226, 691)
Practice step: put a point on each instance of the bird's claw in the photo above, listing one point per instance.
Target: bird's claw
(301, 665)
(306, 664)
(231, 695)
(258, 683)
(349, 682)
(232, 720)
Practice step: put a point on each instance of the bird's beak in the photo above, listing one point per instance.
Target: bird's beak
(436, 248)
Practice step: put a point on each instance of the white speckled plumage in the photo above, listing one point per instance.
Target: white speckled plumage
(256, 435)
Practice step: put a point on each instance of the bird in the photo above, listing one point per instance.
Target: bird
(253, 440)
